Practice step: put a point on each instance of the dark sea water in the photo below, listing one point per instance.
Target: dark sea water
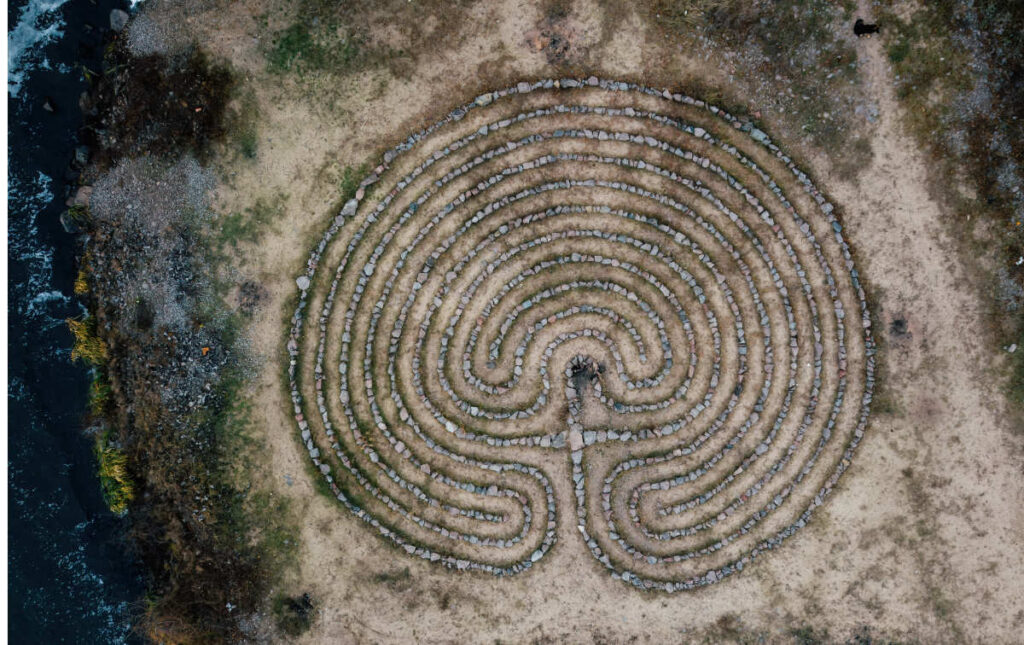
(70, 578)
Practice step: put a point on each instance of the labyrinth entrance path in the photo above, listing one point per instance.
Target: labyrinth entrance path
(583, 291)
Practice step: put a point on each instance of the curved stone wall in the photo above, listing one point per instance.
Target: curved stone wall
(591, 291)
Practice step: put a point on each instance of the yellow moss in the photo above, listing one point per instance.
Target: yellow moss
(82, 279)
(81, 284)
(118, 489)
(99, 393)
(88, 346)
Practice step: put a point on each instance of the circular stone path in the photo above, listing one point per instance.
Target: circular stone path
(587, 309)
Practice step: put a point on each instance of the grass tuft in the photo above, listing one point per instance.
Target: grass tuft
(297, 48)
(81, 282)
(350, 179)
(118, 487)
(294, 616)
(87, 345)
(249, 225)
(99, 393)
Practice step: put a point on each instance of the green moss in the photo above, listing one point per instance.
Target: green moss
(350, 178)
(248, 226)
(80, 214)
(247, 144)
(809, 636)
(297, 48)
(393, 578)
(899, 50)
(291, 46)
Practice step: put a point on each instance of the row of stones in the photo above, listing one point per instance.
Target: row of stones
(450, 277)
(332, 232)
(418, 284)
(761, 448)
(648, 248)
(540, 267)
(421, 279)
(369, 267)
(399, 448)
(590, 134)
(715, 575)
(367, 272)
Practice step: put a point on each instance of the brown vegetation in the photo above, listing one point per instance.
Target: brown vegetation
(156, 105)
(169, 386)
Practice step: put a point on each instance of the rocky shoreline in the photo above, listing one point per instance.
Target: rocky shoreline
(172, 360)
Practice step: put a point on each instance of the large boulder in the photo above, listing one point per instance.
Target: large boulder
(118, 19)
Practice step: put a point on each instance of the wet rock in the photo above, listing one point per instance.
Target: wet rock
(82, 197)
(69, 223)
(82, 155)
(118, 20)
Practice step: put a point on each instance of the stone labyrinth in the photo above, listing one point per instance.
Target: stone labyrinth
(587, 310)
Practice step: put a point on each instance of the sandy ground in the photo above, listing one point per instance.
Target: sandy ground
(921, 541)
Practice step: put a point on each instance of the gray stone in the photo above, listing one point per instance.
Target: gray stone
(118, 20)
(67, 221)
(349, 209)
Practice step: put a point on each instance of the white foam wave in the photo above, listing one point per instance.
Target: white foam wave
(34, 296)
(39, 23)
(16, 388)
(37, 306)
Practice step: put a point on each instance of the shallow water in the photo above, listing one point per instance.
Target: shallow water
(70, 580)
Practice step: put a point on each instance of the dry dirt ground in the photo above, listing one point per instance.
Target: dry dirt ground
(922, 539)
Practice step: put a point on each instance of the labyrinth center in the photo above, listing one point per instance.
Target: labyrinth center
(583, 310)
